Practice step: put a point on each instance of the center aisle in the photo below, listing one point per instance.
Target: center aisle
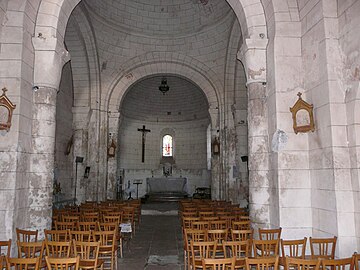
(157, 244)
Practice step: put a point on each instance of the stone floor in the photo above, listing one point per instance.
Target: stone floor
(157, 244)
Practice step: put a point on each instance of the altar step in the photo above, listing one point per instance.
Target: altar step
(166, 196)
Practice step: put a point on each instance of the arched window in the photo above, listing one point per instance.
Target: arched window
(167, 146)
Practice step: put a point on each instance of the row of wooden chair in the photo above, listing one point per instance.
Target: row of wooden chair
(98, 251)
(35, 263)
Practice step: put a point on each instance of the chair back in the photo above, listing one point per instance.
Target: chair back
(30, 249)
(269, 234)
(264, 263)
(338, 264)
(241, 225)
(293, 248)
(218, 224)
(200, 225)
(219, 264)
(217, 235)
(238, 249)
(81, 236)
(356, 260)
(323, 247)
(302, 264)
(266, 248)
(241, 235)
(22, 263)
(57, 235)
(201, 250)
(87, 225)
(66, 225)
(26, 235)
(5, 247)
(88, 253)
(57, 249)
(62, 263)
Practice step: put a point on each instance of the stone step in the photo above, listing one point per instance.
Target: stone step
(166, 196)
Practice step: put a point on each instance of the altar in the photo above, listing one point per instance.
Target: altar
(166, 185)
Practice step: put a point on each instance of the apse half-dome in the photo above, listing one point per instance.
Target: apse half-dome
(184, 101)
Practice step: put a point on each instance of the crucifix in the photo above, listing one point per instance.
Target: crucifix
(143, 130)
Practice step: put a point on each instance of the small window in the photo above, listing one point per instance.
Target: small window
(167, 148)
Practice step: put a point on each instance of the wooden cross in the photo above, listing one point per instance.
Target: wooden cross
(143, 130)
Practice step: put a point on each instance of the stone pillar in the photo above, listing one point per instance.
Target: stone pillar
(253, 56)
(113, 129)
(42, 157)
(49, 60)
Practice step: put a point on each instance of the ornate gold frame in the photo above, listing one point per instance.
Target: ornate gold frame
(5, 102)
(302, 105)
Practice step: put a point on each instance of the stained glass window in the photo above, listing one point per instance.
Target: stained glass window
(167, 150)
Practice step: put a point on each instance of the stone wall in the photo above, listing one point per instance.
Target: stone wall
(190, 151)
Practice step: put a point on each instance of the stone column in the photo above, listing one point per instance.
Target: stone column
(253, 56)
(49, 60)
(113, 129)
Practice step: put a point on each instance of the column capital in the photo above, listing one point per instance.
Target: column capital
(253, 56)
(50, 57)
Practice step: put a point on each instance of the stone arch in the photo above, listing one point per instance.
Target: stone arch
(149, 64)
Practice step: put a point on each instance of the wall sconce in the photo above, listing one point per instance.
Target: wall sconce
(6, 111)
(87, 172)
(216, 146)
(164, 86)
(112, 148)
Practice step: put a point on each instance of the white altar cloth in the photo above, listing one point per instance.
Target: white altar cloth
(166, 184)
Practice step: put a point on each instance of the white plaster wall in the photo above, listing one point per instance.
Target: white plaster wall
(189, 151)
(64, 120)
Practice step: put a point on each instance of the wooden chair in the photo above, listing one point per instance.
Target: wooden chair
(22, 263)
(3, 262)
(241, 225)
(302, 264)
(69, 218)
(89, 216)
(192, 235)
(218, 224)
(219, 264)
(292, 248)
(266, 248)
(201, 250)
(107, 250)
(112, 226)
(81, 236)
(323, 247)
(66, 225)
(241, 235)
(26, 235)
(57, 235)
(87, 225)
(32, 250)
(338, 264)
(188, 221)
(200, 225)
(89, 254)
(62, 263)
(264, 263)
(57, 249)
(219, 236)
(356, 260)
(269, 234)
(203, 214)
(5, 247)
(239, 250)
